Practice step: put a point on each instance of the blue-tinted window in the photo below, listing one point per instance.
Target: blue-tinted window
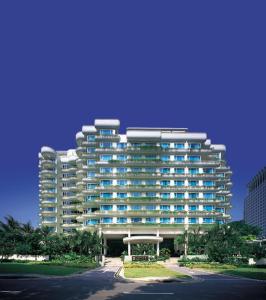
(194, 158)
(121, 145)
(150, 207)
(220, 209)
(107, 195)
(135, 194)
(179, 183)
(165, 220)
(106, 170)
(179, 170)
(136, 220)
(193, 220)
(179, 195)
(179, 207)
(135, 207)
(122, 182)
(151, 220)
(106, 207)
(106, 131)
(165, 207)
(165, 145)
(121, 207)
(91, 186)
(107, 220)
(90, 150)
(179, 220)
(208, 207)
(193, 195)
(208, 183)
(107, 145)
(208, 220)
(90, 162)
(106, 182)
(90, 174)
(90, 198)
(165, 195)
(121, 195)
(208, 195)
(179, 157)
(150, 170)
(91, 138)
(208, 170)
(193, 183)
(193, 207)
(49, 219)
(150, 194)
(165, 170)
(193, 171)
(150, 182)
(179, 146)
(165, 182)
(136, 170)
(194, 146)
(220, 221)
(121, 170)
(136, 182)
(121, 220)
(92, 221)
(165, 157)
(106, 157)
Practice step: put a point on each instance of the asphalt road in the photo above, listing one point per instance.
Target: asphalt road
(101, 284)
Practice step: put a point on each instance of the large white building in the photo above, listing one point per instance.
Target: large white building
(255, 202)
(149, 184)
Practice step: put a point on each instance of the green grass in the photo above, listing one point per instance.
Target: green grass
(150, 270)
(38, 268)
(242, 271)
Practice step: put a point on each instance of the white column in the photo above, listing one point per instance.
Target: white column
(158, 249)
(104, 246)
(129, 249)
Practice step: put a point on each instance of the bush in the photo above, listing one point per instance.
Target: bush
(165, 253)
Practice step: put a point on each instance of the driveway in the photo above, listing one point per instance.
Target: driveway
(101, 284)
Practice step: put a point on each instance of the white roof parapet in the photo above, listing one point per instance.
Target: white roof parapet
(71, 155)
(144, 134)
(89, 129)
(184, 136)
(142, 239)
(218, 147)
(79, 135)
(107, 123)
(47, 150)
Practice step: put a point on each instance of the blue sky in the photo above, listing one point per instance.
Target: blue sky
(195, 64)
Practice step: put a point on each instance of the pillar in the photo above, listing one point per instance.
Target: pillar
(129, 249)
(104, 246)
(158, 249)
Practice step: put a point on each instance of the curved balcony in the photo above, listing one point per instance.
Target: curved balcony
(48, 152)
(48, 193)
(47, 163)
(69, 179)
(48, 173)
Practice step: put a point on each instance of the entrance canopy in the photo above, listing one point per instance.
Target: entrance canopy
(142, 239)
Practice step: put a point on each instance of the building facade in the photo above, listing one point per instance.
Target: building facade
(149, 184)
(255, 202)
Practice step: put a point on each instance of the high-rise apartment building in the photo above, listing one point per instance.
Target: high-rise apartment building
(255, 202)
(149, 184)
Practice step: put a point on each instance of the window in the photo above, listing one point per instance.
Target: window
(220, 221)
(193, 183)
(179, 220)
(106, 157)
(150, 207)
(208, 195)
(90, 138)
(165, 145)
(193, 220)
(107, 220)
(49, 219)
(208, 170)
(165, 157)
(165, 207)
(179, 157)
(220, 209)
(90, 174)
(150, 170)
(106, 195)
(179, 183)
(49, 209)
(91, 186)
(136, 220)
(106, 170)
(179, 170)
(194, 146)
(106, 182)
(165, 170)
(179, 195)
(90, 150)
(208, 207)
(150, 182)
(90, 162)
(193, 195)
(179, 146)
(194, 158)
(193, 171)
(136, 194)
(136, 182)
(122, 182)
(106, 207)
(136, 170)
(107, 145)
(165, 220)
(208, 220)
(135, 207)
(121, 220)
(208, 183)
(121, 195)
(121, 170)
(165, 183)
(179, 207)
(92, 221)
(193, 207)
(90, 198)
(220, 198)
(150, 220)
(121, 207)
(121, 145)
(165, 195)
(106, 131)
(121, 157)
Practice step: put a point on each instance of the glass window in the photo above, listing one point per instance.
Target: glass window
(106, 195)
(193, 171)
(165, 145)
(121, 145)
(91, 186)
(220, 209)
(106, 145)
(90, 198)
(90, 174)
(106, 131)
(150, 207)
(121, 170)
(193, 183)
(121, 157)
(136, 220)
(165, 220)
(193, 195)
(165, 183)
(49, 219)
(208, 220)
(135, 207)
(179, 182)
(179, 195)
(121, 195)
(136, 182)
(107, 220)
(179, 207)
(90, 138)
(194, 158)
(150, 182)
(106, 182)
(90, 150)
(220, 221)
(194, 146)
(135, 194)
(208, 195)
(179, 220)
(92, 221)
(165, 195)
(193, 207)
(90, 162)
(122, 182)
(106, 207)
(179, 157)
(121, 207)
(179, 170)
(165, 157)
(165, 207)
(208, 183)
(136, 170)
(208, 170)
(150, 220)
(106, 170)
(151, 194)
(150, 170)
(106, 157)
(179, 146)
(193, 220)
(121, 220)
(220, 198)
(208, 207)
(165, 170)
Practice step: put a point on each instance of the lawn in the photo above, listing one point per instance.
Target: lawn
(150, 270)
(243, 271)
(38, 268)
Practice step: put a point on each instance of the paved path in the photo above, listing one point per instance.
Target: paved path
(100, 284)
